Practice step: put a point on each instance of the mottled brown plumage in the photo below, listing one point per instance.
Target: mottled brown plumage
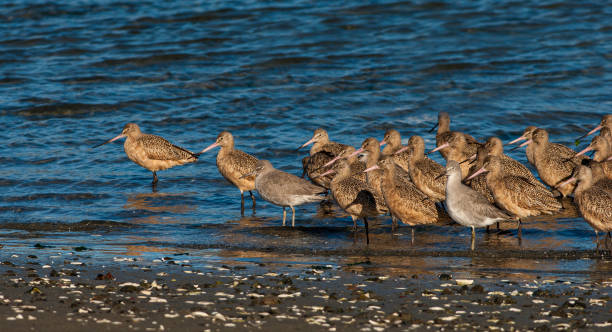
(371, 148)
(606, 122)
(479, 182)
(233, 164)
(424, 172)
(458, 149)
(594, 202)
(152, 152)
(313, 167)
(554, 162)
(515, 194)
(320, 142)
(444, 135)
(405, 201)
(494, 147)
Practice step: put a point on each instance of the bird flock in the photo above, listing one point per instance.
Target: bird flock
(479, 186)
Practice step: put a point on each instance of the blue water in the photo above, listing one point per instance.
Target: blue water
(72, 73)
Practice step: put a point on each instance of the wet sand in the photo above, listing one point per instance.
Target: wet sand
(54, 289)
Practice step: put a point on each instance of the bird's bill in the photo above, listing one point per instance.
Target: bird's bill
(566, 182)
(432, 129)
(247, 175)
(521, 138)
(445, 145)
(526, 143)
(587, 149)
(307, 143)
(401, 150)
(111, 140)
(331, 171)
(371, 168)
(439, 176)
(478, 172)
(594, 130)
(358, 151)
(212, 146)
(609, 158)
(331, 162)
(383, 142)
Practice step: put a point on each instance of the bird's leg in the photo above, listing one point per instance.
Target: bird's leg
(487, 229)
(498, 226)
(412, 231)
(252, 198)
(154, 177)
(284, 215)
(393, 223)
(473, 237)
(292, 217)
(241, 203)
(365, 221)
(354, 225)
(519, 225)
(597, 242)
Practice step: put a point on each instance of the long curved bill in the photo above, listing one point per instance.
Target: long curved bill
(526, 143)
(445, 145)
(247, 175)
(307, 143)
(432, 129)
(480, 171)
(111, 140)
(214, 145)
(609, 158)
(324, 174)
(332, 161)
(358, 151)
(564, 183)
(371, 168)
(383, 142)
(470, 159)
(587, 149)
(401, 150)
(521, 138)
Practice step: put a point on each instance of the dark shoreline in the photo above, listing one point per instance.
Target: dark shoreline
(55, 290)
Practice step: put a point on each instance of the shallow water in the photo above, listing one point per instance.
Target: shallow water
(73, 73)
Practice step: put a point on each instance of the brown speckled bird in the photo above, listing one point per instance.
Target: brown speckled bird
(152, 152)
(602, 149)
(458, 149)
(392, 142)
(322, 151)
(606, 122)
(354, 196)
(404, 199)
(594, 202)
(554, 162)
(526, 136)
(516, 194)
(320, 142)
(370, 150)
(494, 147)
(444, 136)
(233, 164)
(424, 172)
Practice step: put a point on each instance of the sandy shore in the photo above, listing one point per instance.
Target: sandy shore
(76, 291)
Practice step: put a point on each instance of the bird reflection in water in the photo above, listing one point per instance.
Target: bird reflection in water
(156, 206)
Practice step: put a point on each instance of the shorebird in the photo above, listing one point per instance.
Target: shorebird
(152, 152)
(392, 142)
(516, 194)
(369, 153)
(424, 172)
(444, 135)
(354, 196)
(554, 162)
(350, 155)
(458, 149)
(320, 142)
(494, 147)
(526, 136)
(466, 206)
(606, 121)
(404, 200)
(284, 189)
(233, 164)
(603, 151)
(593, 201)
(479, 182)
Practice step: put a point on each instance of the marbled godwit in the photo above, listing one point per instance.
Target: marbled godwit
(554, 162)
(424, 172)
(233, 164)
(466, 206)
(350, 155)
(320, 142)
(526, 136)
(313, 167)
(494, 147)
(593, 201)
(393, 142)
(606, 121)
(479, 183)
(603, 151)
(152, 152)
(444, 135)
(404, 200)
(353, 196)
(284, 189)
(515, 194)
(370, 149)
(458, 149)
